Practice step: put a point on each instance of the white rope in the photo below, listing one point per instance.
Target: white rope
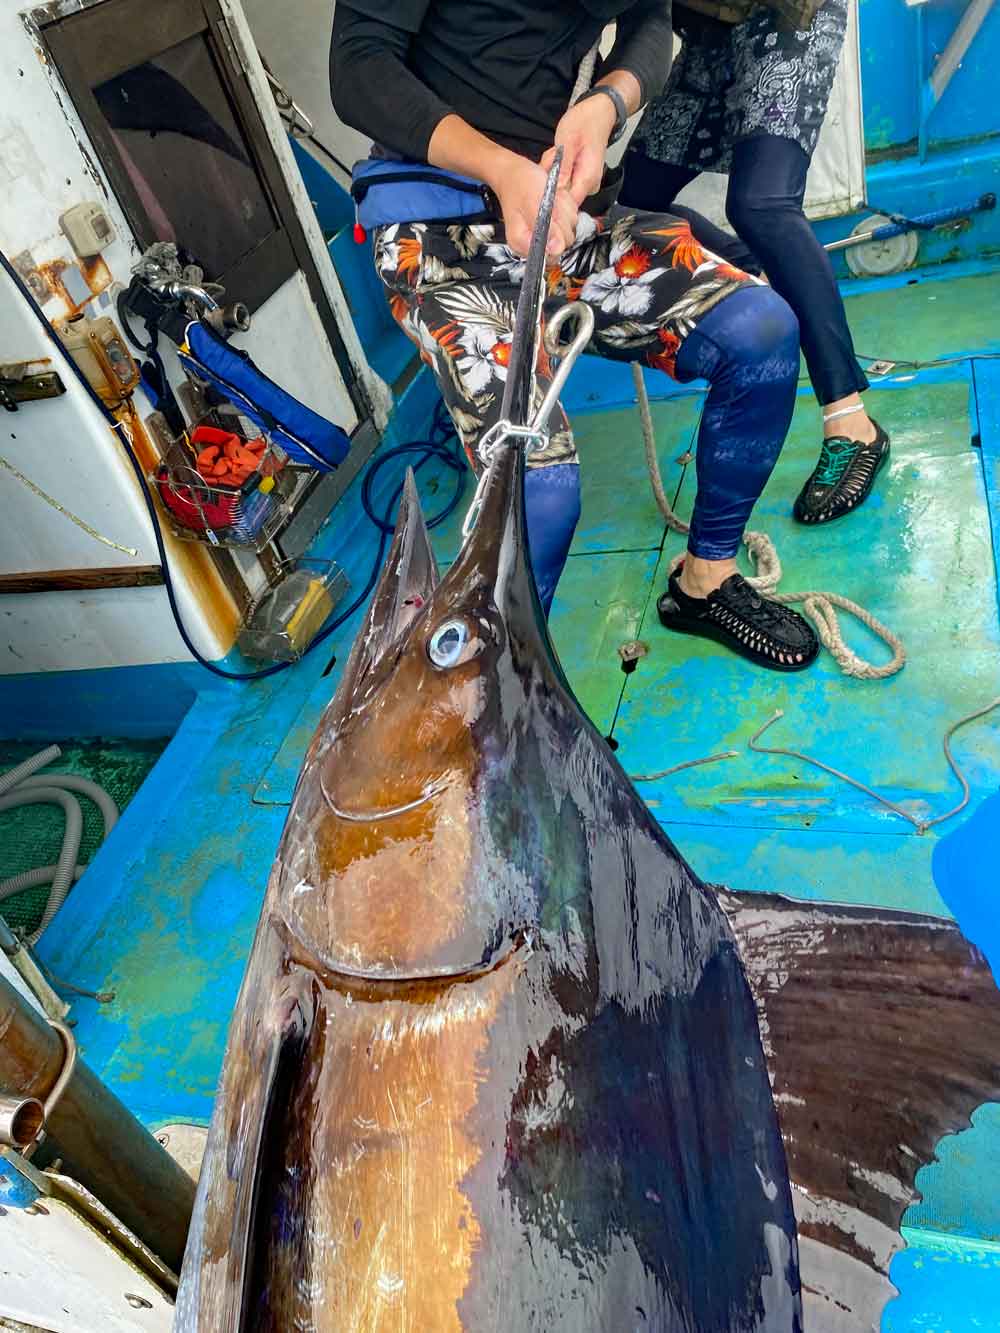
(818, 606)
(585, 76)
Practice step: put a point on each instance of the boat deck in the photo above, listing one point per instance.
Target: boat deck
(165, 915)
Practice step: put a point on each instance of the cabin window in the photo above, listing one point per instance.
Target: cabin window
(178, 140)
(166, 105)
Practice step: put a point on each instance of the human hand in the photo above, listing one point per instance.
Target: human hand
(519, 186)
(583, 135)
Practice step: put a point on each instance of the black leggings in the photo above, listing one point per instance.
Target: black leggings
(767, 184)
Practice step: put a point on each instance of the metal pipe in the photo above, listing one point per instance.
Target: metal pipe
(21, 1120)
(228, 319)
(102, 1144)
(958, 44)
(189, 291)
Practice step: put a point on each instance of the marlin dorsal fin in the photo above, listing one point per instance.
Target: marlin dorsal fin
(882, 1035)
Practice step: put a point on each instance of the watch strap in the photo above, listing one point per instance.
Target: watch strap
(621, 112)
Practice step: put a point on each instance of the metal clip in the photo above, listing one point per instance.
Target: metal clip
(536, 436)
(583, 316)
(23, 1119)
(498, 434)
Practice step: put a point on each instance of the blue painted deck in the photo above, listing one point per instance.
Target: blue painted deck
(166, 913)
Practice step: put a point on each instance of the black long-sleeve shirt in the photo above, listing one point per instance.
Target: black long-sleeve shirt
(398, 67)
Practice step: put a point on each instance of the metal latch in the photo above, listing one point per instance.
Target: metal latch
(18, 386)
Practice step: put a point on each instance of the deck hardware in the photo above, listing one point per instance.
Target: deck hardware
(21, 1119)
(17, 386)
(631, 653)
(57, 1089)
(138, 1302)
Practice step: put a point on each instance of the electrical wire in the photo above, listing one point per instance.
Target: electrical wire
(316, 143)
(435, 446)
(902, 364)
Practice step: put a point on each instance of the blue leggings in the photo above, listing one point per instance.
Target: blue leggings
(747, 347)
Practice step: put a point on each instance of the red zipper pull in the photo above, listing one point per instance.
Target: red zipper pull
(360, 235)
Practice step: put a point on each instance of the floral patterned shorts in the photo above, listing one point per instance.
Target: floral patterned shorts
(453, 290)
(754, 78)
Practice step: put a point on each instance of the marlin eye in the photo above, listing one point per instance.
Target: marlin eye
(447, 643)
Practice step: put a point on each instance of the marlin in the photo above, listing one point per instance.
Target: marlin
(502, 1061)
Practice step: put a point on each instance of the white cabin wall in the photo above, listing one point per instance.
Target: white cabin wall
(63, 445)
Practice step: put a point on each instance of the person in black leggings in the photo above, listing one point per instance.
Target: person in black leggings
(748, 98)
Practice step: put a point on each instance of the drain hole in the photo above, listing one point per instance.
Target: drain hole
(330, 665)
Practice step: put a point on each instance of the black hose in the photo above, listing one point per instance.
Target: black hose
(434, 447)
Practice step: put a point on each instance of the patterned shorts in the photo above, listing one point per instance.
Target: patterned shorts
(728, 84)
(454, 290)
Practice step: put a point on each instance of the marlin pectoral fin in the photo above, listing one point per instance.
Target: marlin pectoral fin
(882, 1034)
(220, 1262)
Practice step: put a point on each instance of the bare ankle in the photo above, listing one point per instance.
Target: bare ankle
(699, 577)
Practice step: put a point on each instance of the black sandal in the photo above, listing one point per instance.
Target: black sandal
(737, 616)
(843, 477)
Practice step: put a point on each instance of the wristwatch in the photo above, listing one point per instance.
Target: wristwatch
(621, 114)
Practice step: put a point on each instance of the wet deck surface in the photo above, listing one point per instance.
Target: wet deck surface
(166, 914)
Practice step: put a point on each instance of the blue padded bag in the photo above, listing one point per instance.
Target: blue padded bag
(305, 436)
(386, 192)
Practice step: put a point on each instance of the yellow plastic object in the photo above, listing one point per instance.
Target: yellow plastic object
(309, 615)
(289, 616)
(266, 485)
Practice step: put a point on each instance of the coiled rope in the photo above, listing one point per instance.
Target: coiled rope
(818, 606)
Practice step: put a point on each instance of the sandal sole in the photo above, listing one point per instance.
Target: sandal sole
(845, 513)
(707, 630)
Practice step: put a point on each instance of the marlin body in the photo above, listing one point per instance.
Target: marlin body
(501, 1061)
(497, 1061)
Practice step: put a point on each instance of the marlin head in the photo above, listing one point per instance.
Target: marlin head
(395, 784)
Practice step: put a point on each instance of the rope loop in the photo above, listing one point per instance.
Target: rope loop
(763, 554)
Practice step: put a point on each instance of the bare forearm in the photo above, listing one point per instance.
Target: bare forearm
(456, 146)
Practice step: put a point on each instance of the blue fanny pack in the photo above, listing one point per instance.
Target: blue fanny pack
(304, 435)
(386, 192)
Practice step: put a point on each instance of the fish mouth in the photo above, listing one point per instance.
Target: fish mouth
(367, 983)
(432, 790)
